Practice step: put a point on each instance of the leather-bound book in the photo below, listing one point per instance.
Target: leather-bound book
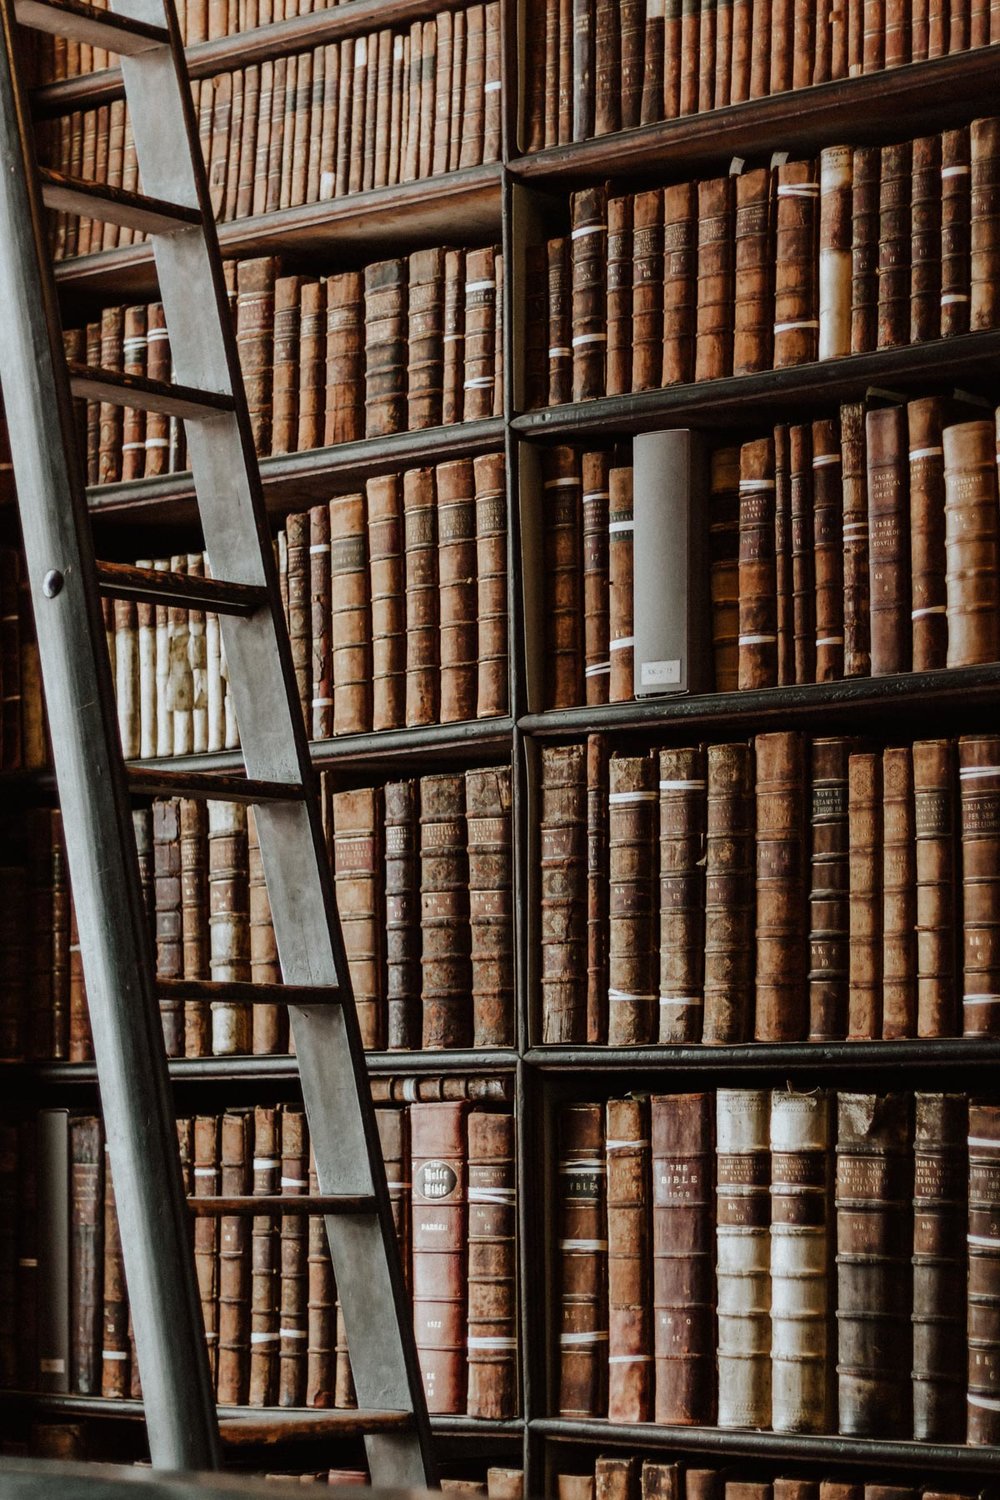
(864, 823)
(836, 179)
(438, 1153)
(984, 1262)
(659, 1481)
(651, 103)
(956, 208)
(270, 1022)
(704, 1484)
(621, 532)
(597, 888)
(633, 35)
(420, 538)
(940, 1208)
(169, 941)
(927, 534)
(588, 308)
(864, 248)
(874, 1242)
(796, 291)
(255, 341)
(358, 863)
(385, 347)
(758, 601)
(562, 521)
(781, 888)
(785, 619)
(444, 912)
(925, 239)
(112, 331)
(984, 224)
(483, 283)
(596, 638)
(619, 303)
(298, 609)
(607, 67)
(563, 882)
(287, 341)
(456, 531)
(265, 1263)
(617, 1478)
(583, 70)
(560, 347)
(195, 913)
(402, 915)
(236, 1152)
(345, 359)
(936, 877)
(647, 290)
(454, 336)
(873, 37)
(972, 543)
(743, 26)
(682, 1137)
(782, 49)
(86, 1186)
(321, 648)
(888, 542)
(229, 922)
(394, 1141)
(425, 339)
(320, 1312)
(828, 541)
(492, 1336)
(294, 1249)
(681, 288)
(723, 549)
(312, 366)
(115, 1373)
(490, 482)
(583, 1260)
(743, 1275)
(979, 782)
(682, 894)
(473, 95)
(504, 1484)
(714, 337)
(829, 893)
(894, 246)
(899, 897)
(387, 573)
(801, 516)
(630, 1375)
(723, 52)
(857, 619)
(632, 990)
(491, 918)
(134, 421)
(729, 895)
(351, 627)
(803, 1394)
(754, 261)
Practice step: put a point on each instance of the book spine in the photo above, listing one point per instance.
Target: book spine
(724, 549)
(285, 368)
(936, 877)
(630, 1378)
(646, 330)
(758, 586)
(583, 1262)
(560, 335)
(984, 224)
(796, 292)
(444, 906)
(729, 895)
(781, 888)
(927, 535)
(983, 1385)
(829, 896)
(491, 916)
(169, 941)
(925, 239)
(229, 922)
(754, 259)
(358, 821)
(899, 953)
(453, 367)
(425, 339)
(312, 366)
(321, 605)
(294, 1292)
(320, 1312)
(743, 1280)
(195, 922)
(298, 613)
(563, 538)
(255, 342)
(421, 560)
(828, 539)
(457, 641)
(438, 1146)
(597, 888)
(783, 573)
(264, 1262)
(956, 207)
(619, 296)
(682, 288)
(234, 1263)
(889, 571)
(972, 543)
(492, 1338)
(270, 1022)
(864, 248)
(588, 309)
(803, 548)
(864, 826)
(621, 621)
(714, 341)
(385, 347)
(682, 895)
(563, 891)
(489, 477)
(979, 783)
(940, 1209)
(86, 1186)
(402, 915)
(651, 103)
(607, 67)
(115, 1372)
(596, 547)
(857, 620)
(632, 993)
(836, 180)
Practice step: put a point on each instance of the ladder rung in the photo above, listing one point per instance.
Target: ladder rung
(248, 1208)
(93, 384)
(88, 23)
(243, 1428)
(188, 590)
(202, 785)
(239, 993)
(112, 205)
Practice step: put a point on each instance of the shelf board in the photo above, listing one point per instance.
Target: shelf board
(926, 1457)
(292, 480)
(943, 91)
(975, 1052)
(462, 206)
(204, 59)
(740, 401)
(280, 1068)
(856, 701)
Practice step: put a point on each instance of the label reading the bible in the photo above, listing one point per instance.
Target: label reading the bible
(435, 1180)
(660, 673)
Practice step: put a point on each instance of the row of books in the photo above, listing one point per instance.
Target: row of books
(862, 545)
(367, 112)
(606, 65)
(424, 886)
(862, 249)
(625, 1477)
(805, 1262)
(273, 1326)
(772, 891)
(401, 345)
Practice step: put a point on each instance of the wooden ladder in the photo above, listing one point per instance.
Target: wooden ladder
(96, 785)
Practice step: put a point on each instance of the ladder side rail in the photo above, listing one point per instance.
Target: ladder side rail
(100, 846)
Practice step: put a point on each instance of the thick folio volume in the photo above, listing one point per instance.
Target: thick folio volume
(984, 1274)
(439, 1250)
(583, 1262)
(939, 1268)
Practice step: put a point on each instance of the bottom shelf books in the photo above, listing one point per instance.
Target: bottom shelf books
(806, 1262)
(629, 1478)
(273, 1324)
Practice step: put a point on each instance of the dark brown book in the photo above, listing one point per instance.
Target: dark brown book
(265, 1261)
(293, 1314)
(619, 296)
(255, 342)
(621, 531)
(489, 477)
(287, 340)
(456, 533)
(682, 288)
(729, 895)
(491, 917)
(358, 864)
(559, 310)
(979, 782)
(483, 284)
(597, 888)
(351, 628)
(420, 535)
(563, 885)
(683, 1246)
(899, 897)
(312, 366)
(630, 1375)
(492, 1337)
(562, 521)
(646, 330)
(444, 906)
(925, 239)
(781, 888)
(321, 645)
(828, 541)
(438, 1147)
(453, 373)
(723, 547)
(940, 1208)
(754, 260)
(236, 1153)
(86, 1186)
(984, 224)
(796, 288)
(385, 347)
(803, 548)
(607, 67)
(425, 338)
(583, 1260)
(864, 815)
(785, 616)
(758, 589)
(934, 785)
(927, 535)
(714, 340)
(115, 1353)
(829, 894)
(632, 825)
(229, 923)
(889, 553)
(682, 894)
(972, 543)
(402, 915)
(299, 611)
(894, 246)
(864, 248)
(983, 1385)
(955, 237)
(588, 272)
(874, 1242)
(345, 359)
